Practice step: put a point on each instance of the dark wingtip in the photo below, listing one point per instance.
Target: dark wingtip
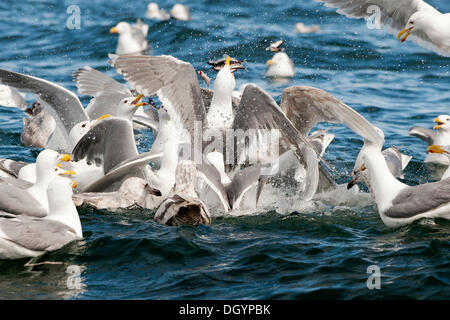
(351, 184)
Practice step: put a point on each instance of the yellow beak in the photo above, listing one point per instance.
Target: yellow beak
(439, 122)
(65, 157)
(113, 30)
(139, 97)
(103, 117)
(269, 62)
(227, 63)
(140, 104)
(436, 149)
(405, 32)
(74, 184)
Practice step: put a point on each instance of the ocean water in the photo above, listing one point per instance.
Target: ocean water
(292, 250)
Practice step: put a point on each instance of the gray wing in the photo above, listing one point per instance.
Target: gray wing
(64, 105)
(258, 110)
(306, 106)
(419, 199)
(106, 91)
(424, 134)
(211, 176)
(12, 167)
(394, 14)
(173, 80)
(130, 166)
(242, 181)
(108, 143)
(18, 201)
(37, 234)
(326, 182)
(393, 159)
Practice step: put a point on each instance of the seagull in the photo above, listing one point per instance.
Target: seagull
(180, 12)
(395, 160)
(399, 204)
(19, 197)
(132, 38)
(183, 206)
(153, 12)
(24, 236)
(405, 18)
(280, 66)
(441, 136)
(110, 147)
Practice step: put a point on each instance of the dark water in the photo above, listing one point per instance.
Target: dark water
(322, 251)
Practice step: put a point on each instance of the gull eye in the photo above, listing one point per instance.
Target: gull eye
(84, 125)
(56, 170)
(412, 22)
(126, 101)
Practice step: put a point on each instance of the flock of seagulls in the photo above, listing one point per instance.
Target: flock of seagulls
(90, 155)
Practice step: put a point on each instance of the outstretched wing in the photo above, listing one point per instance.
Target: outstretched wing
(258, 110)
(107, 143)
(106, 91)
(424, 134)
(306, 106)
(174, 81)
(64, 105)
(392, 14)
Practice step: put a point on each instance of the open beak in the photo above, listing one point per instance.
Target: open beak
(439, 124)
(269, 62)
(405, 32)
(138, 98)
(436, 149)
(65, 157)
(113, 30)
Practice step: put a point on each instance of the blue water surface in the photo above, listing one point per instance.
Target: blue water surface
(322, 253)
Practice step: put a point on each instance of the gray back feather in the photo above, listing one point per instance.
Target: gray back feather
(37, 234)
(419, 199)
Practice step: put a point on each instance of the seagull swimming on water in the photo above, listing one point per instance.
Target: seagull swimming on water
(21, 197)
(399, 204)
(440, 135)
(280, 66)
(132, 38)
(23, 236)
